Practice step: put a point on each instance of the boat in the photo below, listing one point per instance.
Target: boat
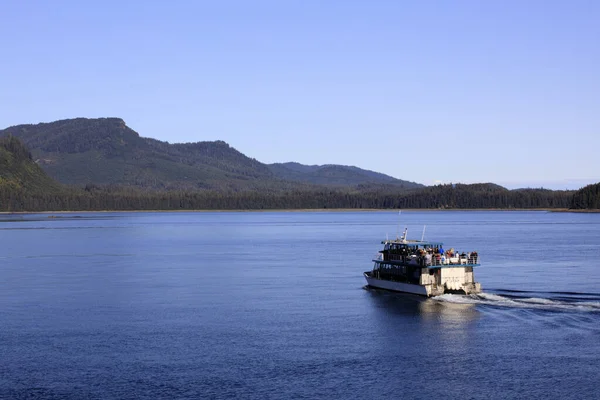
(423, 268)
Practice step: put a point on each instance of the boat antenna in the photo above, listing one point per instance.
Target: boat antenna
(423, 235)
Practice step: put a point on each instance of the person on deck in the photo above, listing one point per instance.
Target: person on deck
(428, 259)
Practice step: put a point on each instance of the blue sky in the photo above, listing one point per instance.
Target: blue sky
(449, 91)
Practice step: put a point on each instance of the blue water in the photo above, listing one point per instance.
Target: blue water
(272, 305)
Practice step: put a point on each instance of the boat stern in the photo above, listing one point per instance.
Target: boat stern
(459, 280)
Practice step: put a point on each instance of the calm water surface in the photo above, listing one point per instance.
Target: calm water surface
(273, 305)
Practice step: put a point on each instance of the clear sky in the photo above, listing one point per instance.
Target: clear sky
(452, 91)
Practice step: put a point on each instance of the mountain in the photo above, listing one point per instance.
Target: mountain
(25, 187)
(105, 151)
(335, 175)
(18, 172)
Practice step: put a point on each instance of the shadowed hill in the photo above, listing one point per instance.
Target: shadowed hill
(18, 172)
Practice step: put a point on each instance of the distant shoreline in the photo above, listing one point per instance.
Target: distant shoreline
(559, 210)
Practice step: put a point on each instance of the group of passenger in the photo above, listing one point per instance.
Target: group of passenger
(437, 256)
(430, 256)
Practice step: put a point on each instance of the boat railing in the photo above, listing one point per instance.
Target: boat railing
(472, 260)
(433, 260)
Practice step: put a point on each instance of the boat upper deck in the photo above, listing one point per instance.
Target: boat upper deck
(424, 253)
(429, 261)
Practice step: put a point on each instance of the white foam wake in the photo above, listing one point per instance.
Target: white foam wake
(529, 302)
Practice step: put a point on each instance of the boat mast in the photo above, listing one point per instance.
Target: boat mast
(404, 235)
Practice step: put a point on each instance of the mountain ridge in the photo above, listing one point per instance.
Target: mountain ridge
(25, 187)
(106, 151)
(335, 174)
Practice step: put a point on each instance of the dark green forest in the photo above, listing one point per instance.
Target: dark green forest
(24, 186)
(123, 199)
(587, 198)
(105, 151)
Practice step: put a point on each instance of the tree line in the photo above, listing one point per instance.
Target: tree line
(25, 187)
(441, 197)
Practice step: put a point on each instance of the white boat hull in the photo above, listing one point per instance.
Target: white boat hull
(397, 286)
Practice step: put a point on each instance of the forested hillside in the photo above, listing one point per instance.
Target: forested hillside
(19, 172)
(341, 175)
(587, 198)
(105, 151)
(25, 187)
(21, 178)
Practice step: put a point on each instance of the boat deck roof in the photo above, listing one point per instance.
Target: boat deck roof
(413, 242)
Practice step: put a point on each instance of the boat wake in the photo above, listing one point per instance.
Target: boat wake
(557, 301)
